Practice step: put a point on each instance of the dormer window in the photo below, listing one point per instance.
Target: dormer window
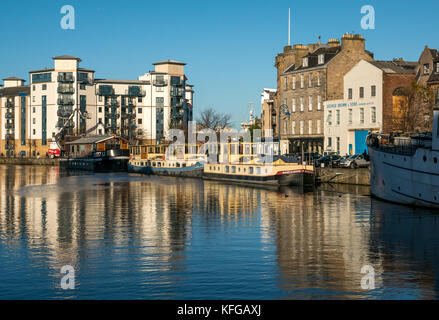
(305, 62)
(321, 59)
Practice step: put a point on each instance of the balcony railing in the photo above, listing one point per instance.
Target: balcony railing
(135, 91)
(177, 83)
(65, 101)
(128, 115)
(9, 137)
(64, 112)
(112, 115)
(9, 125)
(160, 83)
(9, 104)
(106, 91)
(66, 89)
(66, 78)
(9, 115)
(65, 124)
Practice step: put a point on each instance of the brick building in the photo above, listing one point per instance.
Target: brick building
(308, 76)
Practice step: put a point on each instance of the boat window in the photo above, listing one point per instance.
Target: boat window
(160, 164)
(227, 169)
(178, 165)
(250, 170)
(141, 164)
(184, 165)
(153, 164)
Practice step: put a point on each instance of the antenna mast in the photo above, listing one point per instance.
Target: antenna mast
(289, 26)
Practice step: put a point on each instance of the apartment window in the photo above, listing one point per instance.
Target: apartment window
(100, 120)
(293, 127)
(139, 99)
(33, 110)
(338, 117)
(301, 126)
(100, 109)
(319, 124)
(426, 68)
(319, 78)
(139, 110)
(33, 132)
(350, 94)
(33, 88)
(302, 81)
(139, 121)
(361, 92)
(99, 131)
(294, 104)
(294, 83)
(373, 91)
(350, 116)
(305, 62)
(33, 99)
(100, 98)
(321, 59)
(309, 126)
(373, 115)
(319, 102)
(310, 103)
(160, 101)
(329, 142)
(81, 86)
(310, 80)
(362, 115)
(338, 144)
(285, 83)
(329, 118)
(34, 121)
(301, 103)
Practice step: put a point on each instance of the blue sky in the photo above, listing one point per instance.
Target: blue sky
(229, 46)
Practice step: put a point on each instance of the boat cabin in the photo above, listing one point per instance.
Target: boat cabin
(97, 146)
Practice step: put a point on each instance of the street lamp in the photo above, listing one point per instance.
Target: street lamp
(282, 109)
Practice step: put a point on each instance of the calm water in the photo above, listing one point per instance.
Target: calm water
(138, 237)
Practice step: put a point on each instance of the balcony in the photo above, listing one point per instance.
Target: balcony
(112, 115)
(177, 92)
(160, 83)
(66, 101)
(9, 125)
(66, 78)
(64, 112)
(66, 124)
(9, 115)
(84, 80)
(177, 83)
(106, 91)
(66, 89)
(135, 91)
(128, 115)
(9, 137)
(9, 104)
(113, 104)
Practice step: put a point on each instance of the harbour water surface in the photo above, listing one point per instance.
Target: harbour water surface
(138, 237)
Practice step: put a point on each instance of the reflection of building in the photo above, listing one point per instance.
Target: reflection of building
(67, 99)
(370, 104)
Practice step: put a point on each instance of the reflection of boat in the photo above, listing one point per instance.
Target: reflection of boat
(153, 159)
(96, 153)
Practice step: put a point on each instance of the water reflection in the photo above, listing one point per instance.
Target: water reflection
(131, 236)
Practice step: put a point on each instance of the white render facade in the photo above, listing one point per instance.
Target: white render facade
(348, 121)
(143, 109)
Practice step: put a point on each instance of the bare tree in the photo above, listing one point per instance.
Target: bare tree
(415, 109)
(210, 119)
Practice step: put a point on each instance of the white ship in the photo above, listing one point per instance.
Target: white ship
(405, 170)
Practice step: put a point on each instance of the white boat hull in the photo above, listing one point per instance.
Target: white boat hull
(405, 179)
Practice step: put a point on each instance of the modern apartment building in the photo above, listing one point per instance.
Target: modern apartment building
(311, 75)
(68, 100)
(14, 116)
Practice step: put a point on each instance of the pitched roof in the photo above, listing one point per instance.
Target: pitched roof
(396, 66)
(14, 91)
(66, 57)
(328, 52)
(13, 78)
(170, 62)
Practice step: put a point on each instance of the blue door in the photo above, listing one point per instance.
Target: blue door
(360, 141)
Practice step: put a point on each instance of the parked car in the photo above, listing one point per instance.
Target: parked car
(327, 160)
(337, 162)
(355, 161)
